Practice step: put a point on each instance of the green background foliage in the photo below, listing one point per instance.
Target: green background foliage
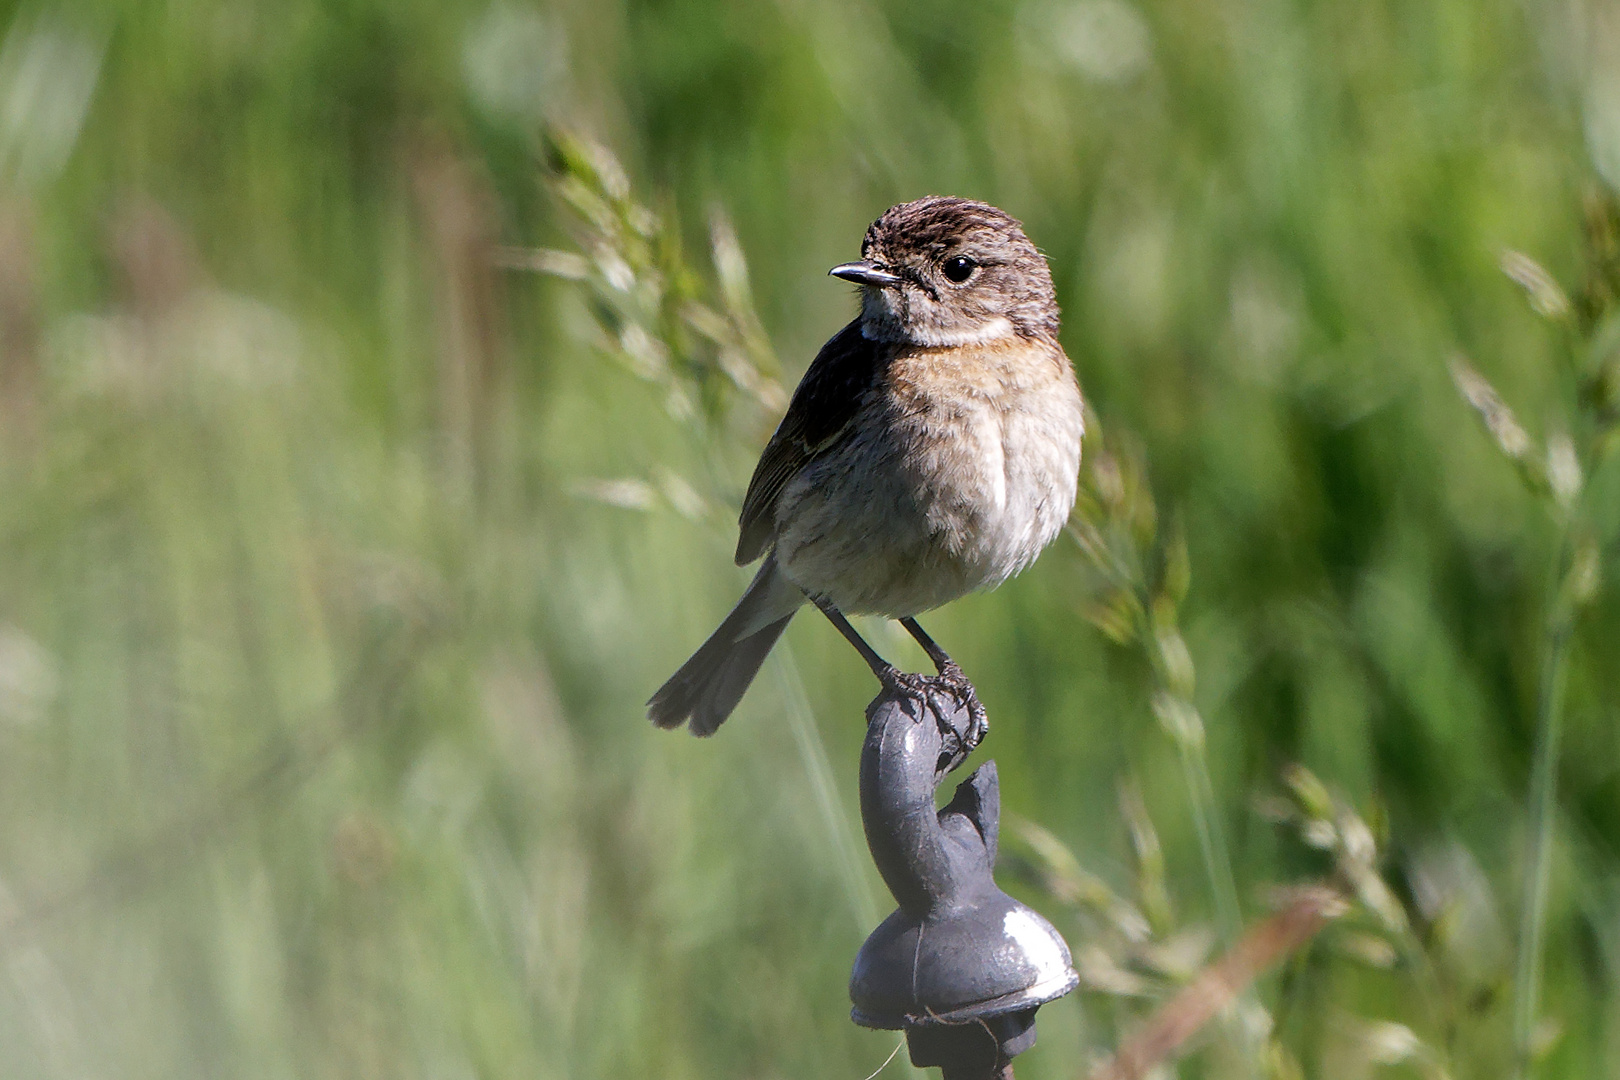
(337, 556)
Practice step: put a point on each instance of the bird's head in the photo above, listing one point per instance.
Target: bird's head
(943, 271)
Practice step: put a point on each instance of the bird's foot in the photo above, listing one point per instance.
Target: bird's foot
(957, 684)
(950, 698)
(953, 682)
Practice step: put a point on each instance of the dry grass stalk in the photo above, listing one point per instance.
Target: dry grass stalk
(457, 212)
(20, 326)
(1221, 983)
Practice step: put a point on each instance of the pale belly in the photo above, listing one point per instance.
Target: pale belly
(930, 504)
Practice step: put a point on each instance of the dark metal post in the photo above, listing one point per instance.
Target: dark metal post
(961, 966)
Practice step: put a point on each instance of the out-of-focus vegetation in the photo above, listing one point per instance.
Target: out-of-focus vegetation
(339, 548)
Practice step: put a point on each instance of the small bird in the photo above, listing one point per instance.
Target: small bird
(931, 449)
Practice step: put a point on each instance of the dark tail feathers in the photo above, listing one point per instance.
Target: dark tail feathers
(709, 685)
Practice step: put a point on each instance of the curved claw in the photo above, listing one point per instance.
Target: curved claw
(950, 698)
(978, 718)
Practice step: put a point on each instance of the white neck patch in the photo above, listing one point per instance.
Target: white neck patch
(994, 329)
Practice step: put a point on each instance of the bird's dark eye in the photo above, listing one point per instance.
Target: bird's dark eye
(959, 268)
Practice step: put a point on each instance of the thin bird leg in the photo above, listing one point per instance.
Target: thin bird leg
(923, 687)
(942, 662)
(950, 674)
(880, 667)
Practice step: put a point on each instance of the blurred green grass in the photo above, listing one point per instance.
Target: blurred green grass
(321, 669)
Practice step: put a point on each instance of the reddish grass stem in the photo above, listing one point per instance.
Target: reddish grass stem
(1222, 983)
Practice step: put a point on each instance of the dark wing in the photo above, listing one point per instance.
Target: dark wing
(817, 417)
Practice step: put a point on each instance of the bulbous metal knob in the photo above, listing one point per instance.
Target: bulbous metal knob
(960, 966)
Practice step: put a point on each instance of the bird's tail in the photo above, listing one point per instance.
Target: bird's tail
(709, 685)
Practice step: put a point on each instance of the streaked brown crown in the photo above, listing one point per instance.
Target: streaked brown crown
(1010, 286)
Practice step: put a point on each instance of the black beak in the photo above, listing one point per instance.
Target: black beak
(865, 273)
